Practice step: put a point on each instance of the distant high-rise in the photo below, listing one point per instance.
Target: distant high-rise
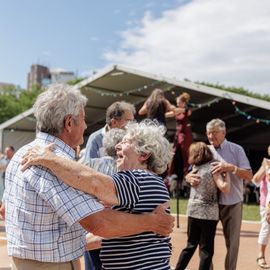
(37, 76)
(43, 76)
(61, 76)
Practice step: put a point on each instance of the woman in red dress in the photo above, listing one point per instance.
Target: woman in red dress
(183, 136)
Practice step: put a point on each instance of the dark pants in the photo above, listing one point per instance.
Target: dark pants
(231, 219)
(200, 232)
(92, 260)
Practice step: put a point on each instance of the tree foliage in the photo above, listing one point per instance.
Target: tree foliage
(237, 90)
(75, 81)
(14, 100)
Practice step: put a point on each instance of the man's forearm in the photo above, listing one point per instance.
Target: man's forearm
(110, 223)
(244, 173)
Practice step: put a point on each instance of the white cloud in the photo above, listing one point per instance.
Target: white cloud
(94, 38)
(225, 41)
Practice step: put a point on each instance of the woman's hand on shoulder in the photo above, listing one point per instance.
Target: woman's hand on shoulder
(35, 155)
(193, 178)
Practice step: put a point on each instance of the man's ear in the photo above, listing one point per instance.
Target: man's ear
(113, 123)
(68, 123)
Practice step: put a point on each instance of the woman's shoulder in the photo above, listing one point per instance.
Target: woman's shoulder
(204, 168)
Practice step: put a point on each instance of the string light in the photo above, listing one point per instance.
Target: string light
(206, 104)
(167, 87)
(107, 93)
(247, 116)
(250, 117)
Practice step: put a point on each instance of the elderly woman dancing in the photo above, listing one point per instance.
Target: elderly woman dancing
(142, 155)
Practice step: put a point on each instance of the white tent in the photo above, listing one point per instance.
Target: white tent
(247, 119)
(18, 130)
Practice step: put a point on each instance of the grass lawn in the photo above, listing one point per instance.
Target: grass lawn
(250, 212)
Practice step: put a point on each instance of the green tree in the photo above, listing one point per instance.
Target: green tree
(14, 100)
(75, 81)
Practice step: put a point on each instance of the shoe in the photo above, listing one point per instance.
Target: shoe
(262, 263)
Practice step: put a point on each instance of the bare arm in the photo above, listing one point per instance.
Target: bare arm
(223, 182)
(110, 223)
(93, 241)
(219, 167)
(174, 112)
(2, 211)
(143, 109)
(74, 174)
(169, 106)
(169, 114)
(266, 164)
(243, 173)
(258, 176)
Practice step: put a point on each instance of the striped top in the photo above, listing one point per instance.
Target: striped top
(138, 192)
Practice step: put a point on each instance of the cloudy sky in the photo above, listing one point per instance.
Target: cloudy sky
(217, 41)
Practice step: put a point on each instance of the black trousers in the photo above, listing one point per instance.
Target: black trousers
(200, 232)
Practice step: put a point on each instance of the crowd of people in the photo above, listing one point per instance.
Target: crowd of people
(111, 205)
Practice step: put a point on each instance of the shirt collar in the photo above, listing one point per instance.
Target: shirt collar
(60, 145)
(105, 129)
(222, 145)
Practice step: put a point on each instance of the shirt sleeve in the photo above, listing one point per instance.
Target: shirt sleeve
(94, 146)
(242, 161)
(70, 204)
(127, 187)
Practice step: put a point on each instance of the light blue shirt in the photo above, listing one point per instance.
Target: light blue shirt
(42, 213)
(106, 165)
(234, 154)
(94, 146)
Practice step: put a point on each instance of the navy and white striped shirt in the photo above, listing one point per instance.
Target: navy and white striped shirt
(42, 213)
(138, 192)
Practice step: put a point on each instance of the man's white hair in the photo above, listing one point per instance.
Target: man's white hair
(53, 105)
(216, 123)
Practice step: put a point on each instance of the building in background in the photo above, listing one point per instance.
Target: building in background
(5, 85)
(61, 76)
(37, 75)
(43, 76)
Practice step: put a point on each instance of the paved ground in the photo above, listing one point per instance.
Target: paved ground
(247, 255)
(248, 246)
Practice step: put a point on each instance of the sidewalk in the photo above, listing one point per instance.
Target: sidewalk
(247, 254)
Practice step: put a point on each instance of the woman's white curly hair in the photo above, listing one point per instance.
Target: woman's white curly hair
(149, 135)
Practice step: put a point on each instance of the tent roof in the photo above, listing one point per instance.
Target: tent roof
(24, 121)
(121, 83)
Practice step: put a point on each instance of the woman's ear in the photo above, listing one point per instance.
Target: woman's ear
(143, 157)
